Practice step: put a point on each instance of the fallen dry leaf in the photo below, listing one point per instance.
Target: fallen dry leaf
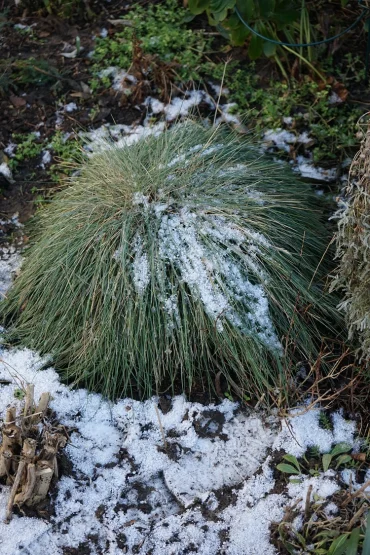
(17, 101)
(359, 457)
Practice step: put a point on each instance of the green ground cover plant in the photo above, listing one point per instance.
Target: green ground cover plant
(346, 530)
(15, 74)
(67, 152)
(182, 256)
(305, 102)
(28, 147)
(162, 32)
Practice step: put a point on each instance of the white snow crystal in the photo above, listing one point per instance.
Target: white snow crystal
(140, 199)
(5, 170)
(307, 169)
(304, 430)
(280, 137)
(70, 107)
(10, 262)
(119, 76)
(46, 158)
(141, 273)
(155, 105)
(322, 486)
(334, 98)
(217, 88)
(10, 148)
(182, 106)
(331, 509)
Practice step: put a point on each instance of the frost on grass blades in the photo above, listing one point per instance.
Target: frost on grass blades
(170, 260)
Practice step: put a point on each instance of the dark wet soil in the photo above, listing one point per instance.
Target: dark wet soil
(29, 101)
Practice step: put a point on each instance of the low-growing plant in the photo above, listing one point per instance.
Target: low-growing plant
(339, 455)
(15, 73)
(67, 152)
(162, 32)
(267, 17)
(311, 529)
(322, 536)
(325, 421)
(28, 147)
(187, 254)
(306, 103)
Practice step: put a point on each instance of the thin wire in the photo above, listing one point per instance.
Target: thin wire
(364, 12)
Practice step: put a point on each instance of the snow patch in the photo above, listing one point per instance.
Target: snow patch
(70, 107)
(5, 171)
(46, 158)
(129, 490)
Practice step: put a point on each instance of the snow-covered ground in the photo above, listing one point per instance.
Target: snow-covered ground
(165, 476)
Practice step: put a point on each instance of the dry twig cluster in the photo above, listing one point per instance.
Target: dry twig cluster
(353, 247)
(28, 453)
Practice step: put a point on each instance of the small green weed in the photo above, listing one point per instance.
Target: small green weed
(67, 152)
(19, 394)
(316, 463)
(28, 146)
(324, 421)
(31, 71)
(342, 533)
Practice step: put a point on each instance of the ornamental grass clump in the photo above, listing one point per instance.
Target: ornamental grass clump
(353, 250)
(169, 261)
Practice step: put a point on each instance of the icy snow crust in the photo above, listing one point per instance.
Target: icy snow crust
(128, 491)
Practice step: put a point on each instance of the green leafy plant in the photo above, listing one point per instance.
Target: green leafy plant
(162, 32)
(339, 453)
(67, 152)
(337, 457)
(321, 537)
(186, 254)
(28, 146)
(292, 467)
(268, 17)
